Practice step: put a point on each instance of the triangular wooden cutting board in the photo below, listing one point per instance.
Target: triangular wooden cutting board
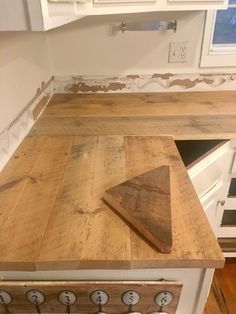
(144, 201)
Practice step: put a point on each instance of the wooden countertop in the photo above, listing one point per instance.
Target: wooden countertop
(51, 212)
(190, 115)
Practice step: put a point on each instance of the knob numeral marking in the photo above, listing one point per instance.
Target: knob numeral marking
(67, 297)
(130, 298)
(99, 297)
(164, 298)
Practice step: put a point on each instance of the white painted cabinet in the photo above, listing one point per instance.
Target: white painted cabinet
(38, 15)
(41, 15)
(212, 177)
(227, 225)
(45, 14)
(212, 169)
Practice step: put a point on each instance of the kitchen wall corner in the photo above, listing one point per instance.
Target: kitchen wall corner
(14, 133)
(25, 86)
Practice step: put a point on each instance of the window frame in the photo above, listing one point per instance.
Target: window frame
(212, 55)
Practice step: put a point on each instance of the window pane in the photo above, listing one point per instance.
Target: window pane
(232, 1)
(225, 27)
(232, 188)
(229, 218)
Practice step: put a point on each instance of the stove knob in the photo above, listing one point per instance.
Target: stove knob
(164, 298)
(130, 297)
(67, 297)
(99, 297)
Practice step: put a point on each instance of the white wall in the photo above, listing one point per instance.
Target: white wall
(88, 47)
(13, 19)
(24, 64)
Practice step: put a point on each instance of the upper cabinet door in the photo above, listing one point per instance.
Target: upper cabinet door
(132, 6)
(48, 14)
(41, 15)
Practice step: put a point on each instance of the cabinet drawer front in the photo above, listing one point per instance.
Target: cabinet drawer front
(226, 232)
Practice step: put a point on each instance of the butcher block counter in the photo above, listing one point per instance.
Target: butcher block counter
(52, 214)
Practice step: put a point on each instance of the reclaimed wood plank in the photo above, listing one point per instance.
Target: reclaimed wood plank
(144, 201)
(13, 179)
(26, 218)
(60, 222)
(83, 232)
(142, 104)
(181, 127)
(190, 228)
(56, 126)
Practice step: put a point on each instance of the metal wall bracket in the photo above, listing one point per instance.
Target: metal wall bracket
(149, 26)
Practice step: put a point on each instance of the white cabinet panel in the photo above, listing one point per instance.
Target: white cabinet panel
(41, 15)
(211, 179)
(46, 14)
(212, 169)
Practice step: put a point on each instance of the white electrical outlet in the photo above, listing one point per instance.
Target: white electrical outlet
(178, 52)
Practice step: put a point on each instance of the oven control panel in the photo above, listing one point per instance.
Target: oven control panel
(88, 297)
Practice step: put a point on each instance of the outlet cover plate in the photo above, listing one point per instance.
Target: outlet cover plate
(178, 52)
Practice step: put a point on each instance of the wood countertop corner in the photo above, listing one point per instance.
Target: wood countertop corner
(51, 210)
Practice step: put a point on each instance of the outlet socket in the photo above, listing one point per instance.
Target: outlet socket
(178, 52)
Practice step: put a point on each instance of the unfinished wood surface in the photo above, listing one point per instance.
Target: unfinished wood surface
(29, 185)
(142, 104)
(180, 127)
(82, 230)
(144, 201)
(52, 215)
(195, 115)
(191, 235)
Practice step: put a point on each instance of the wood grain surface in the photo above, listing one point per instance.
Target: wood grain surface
(28, 187)
(180, 127)
(195, 115)
(142, 104)
(144, 201)
(52, 215)
(82, 229)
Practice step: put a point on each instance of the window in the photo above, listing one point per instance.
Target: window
(219, 44)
